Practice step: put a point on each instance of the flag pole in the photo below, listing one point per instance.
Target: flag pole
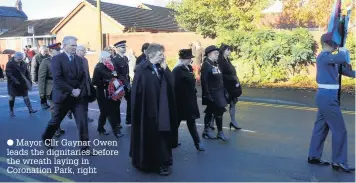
(100, 25)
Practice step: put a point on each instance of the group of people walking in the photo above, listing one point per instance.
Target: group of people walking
(158, 98)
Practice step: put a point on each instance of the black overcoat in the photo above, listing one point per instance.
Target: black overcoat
(231, 81)
(186, 93)
(101, 78)
(16, 84)
(146, 110)
(212, 85)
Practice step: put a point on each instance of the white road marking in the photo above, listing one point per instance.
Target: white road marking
(244, 130)
(97, 110)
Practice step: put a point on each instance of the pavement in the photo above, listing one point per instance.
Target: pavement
(297, 97)
(272, 146)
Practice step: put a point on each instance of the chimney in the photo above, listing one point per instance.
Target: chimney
(19, 5)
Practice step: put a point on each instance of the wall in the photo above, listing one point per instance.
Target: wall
(4, 58)
(83, 25)
(12, 44)
(172, 42)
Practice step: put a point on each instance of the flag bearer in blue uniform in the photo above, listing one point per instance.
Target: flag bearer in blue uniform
(329, 114)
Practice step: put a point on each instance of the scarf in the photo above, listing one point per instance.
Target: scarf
(115, 93)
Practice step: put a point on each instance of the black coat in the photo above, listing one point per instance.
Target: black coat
(16, 84)
(229, 77)
(140, 59)
(65, 78)
(212, 84)
(122, 66)
(186, 93)
(147, 93)
(101, 78)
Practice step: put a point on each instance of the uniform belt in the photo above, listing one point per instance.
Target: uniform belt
(329, 86)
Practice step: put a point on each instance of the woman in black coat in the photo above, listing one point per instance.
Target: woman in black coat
(213, 93)
(185, 93)
(108, 92)
(231, 82)
(18, 82)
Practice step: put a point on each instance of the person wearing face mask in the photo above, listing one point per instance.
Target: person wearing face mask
(185, 93)
(213, 93)
(18, 82)
(231, 82)
(154, 125)
(329, 114)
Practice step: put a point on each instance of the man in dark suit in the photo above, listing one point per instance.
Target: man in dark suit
(69, 91)
(121, 63)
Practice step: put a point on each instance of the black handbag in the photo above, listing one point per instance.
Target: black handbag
(92, 96)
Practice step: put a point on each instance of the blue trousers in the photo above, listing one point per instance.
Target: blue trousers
(329, 116)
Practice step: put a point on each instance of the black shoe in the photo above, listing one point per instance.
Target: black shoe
(207, 134)
(12, 114)
(199, 147)
(221, 136)
(31, 111)
(103, 132)
(342, 167)
(317, 161)
(234, 126)
(90, 120)
(128, 122)
(44, 106)
(118, 135)
(69, 115)
(164, 170)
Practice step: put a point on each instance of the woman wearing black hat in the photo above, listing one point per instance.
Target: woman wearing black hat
(213, 93)
(231, 82)
(186, 98)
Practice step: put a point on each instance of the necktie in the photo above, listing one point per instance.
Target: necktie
(71, 58)
(159, 70)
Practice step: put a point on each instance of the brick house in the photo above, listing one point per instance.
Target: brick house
(11, 16)
(18, 37)
(115, 19)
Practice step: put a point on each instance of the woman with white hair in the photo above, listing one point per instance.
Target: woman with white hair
(18, 82)
(109, 91)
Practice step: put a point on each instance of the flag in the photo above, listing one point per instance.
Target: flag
(335, 34)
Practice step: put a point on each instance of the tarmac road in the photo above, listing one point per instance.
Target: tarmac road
(273, 146)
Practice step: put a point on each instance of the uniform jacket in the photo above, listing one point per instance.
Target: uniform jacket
(122, 66)
(212, 84)
(35, 65)
(45, 79)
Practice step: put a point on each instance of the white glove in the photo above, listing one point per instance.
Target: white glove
(347, 54)
(116, 83)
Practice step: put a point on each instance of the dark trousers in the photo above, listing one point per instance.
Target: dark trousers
(218, 112)
(165, 152)
(193, 130)
(43, 99)
(110, 114)
(128, 107)
(60, 110)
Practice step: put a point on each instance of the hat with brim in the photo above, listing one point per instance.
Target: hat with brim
(56, 46)
(327, 39)
(120, 44)
(185, 54)
(210, 49)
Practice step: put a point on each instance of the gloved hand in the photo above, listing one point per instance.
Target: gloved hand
(347, 54)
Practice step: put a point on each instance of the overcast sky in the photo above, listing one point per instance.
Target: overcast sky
(37, 9)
